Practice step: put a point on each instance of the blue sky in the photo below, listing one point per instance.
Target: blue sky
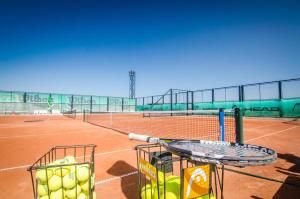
(88, 47)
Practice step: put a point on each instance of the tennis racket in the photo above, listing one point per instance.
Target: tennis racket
(217, 152)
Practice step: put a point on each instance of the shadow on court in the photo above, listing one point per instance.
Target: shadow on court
(291, 188)
(128, 183)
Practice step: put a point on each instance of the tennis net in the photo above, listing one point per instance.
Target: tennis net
(196, 124)
(70, 114)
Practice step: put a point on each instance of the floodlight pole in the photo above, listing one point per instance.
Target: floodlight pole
(131, 84)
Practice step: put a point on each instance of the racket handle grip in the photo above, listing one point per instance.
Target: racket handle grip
(139, 137)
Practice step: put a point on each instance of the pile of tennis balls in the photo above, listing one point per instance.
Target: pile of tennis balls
(62, 182)
(149, 191)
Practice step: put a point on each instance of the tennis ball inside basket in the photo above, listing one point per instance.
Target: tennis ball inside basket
(170, 195)
(173, 185)
(85, 185)
(54, 183)
(69, 181)
(147, 191)
(71, 193)
(42, 189)
(45, 197)
(41, 175)
(160, 179)
(57, 194)
(62, 171)
(83, 173)
(82, 196)
(70, 159)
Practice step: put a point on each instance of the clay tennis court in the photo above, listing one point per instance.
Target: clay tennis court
(23, 139)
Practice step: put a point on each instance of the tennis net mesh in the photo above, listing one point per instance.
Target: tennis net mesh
(196, 124)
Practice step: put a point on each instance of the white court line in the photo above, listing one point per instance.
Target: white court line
(20, 136)
(97, 154)
(258, 127)
(272, 133)
(11, 168)
(116, 178)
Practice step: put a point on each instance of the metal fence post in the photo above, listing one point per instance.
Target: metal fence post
(91, 104)
(171, 105)
(280, 97)
(107, 104)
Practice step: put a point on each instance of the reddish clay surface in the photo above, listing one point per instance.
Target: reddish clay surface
(21, 143)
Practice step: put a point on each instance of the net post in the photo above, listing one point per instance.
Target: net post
(238, 117)
(221, 123)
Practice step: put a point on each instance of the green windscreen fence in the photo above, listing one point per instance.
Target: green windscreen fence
(267, 99)
(44, 103)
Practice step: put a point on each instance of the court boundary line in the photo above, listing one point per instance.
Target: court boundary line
(269, 134)
(116, 178)
(96, 154)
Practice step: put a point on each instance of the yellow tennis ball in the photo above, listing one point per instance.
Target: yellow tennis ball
(173, 185)
(41, 175)
(69, 181)
(85, 185)
(59, 162)
(54, 183)
(62, 171)
(45, 197)
(82, 196)
(72, 169)
(170, 195)
(71, 193)
(57, 194)
(149, 191)
(160, 178)
(52, 168)
(70, 159)
(42, 189)
(83, 173)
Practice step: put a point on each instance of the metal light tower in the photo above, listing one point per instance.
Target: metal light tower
(131, 84)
